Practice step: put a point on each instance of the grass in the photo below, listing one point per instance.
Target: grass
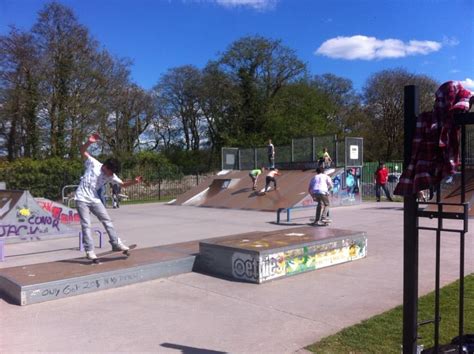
(383, 333)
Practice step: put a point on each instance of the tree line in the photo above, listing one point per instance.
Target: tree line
(58, 84)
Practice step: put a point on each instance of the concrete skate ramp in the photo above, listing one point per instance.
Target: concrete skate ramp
(451, 193)
(233, 190)
(22, 218)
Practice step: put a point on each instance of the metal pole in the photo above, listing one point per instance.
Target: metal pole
(462, 239)
(410, 232)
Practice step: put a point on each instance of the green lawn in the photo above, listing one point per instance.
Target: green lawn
(383, 333)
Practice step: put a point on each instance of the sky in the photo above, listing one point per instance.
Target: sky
(349, 38)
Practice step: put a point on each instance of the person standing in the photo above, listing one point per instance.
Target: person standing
(116, 189)
(271, 154)
(351, 184)
(254, 176)
(327, 159)
(87, 199)
(319, 189)
(271, 178)
(381, 177)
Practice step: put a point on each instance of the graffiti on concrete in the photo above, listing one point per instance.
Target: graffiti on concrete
(258, 268)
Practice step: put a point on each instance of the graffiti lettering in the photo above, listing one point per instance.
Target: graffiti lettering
(85, 286)
(64, 214)
(37, 225)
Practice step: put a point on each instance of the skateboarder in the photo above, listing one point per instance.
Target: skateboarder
(254, 176)
(87, 198)
(271, 178)
(271, 154)
(319, 188)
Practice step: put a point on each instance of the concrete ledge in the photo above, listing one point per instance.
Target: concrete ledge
(36, 283)
(264, 256)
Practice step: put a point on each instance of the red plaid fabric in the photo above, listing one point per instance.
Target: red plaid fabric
(435, 147)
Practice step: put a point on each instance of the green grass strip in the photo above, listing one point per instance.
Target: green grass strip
(383, 333)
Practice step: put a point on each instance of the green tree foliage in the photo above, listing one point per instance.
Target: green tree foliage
(298, 110)
(383, 98)
(259, 68)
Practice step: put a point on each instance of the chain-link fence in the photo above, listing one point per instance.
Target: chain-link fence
(301, 151)
(395, 169)
(150, 189)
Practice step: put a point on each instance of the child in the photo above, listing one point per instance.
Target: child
(351, 184)
(254, 176)
(319, 188)
(327, 159)
(87, 199)
(271, 178)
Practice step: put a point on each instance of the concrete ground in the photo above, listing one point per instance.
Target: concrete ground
(195, 313)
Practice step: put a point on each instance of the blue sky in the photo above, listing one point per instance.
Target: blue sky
(349, 38)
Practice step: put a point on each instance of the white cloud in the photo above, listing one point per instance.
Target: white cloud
(468, 83)
(370, 48)
(255, 4)
(454, 71)
(450, 41)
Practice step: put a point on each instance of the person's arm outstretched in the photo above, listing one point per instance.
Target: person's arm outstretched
(132, 182)
(90, 140)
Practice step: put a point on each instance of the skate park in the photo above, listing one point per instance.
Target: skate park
(171, 236)
(236, 176)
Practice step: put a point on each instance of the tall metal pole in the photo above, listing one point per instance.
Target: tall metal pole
(410, 232)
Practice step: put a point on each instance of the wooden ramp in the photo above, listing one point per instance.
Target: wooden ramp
(233, 190)
(451, 193)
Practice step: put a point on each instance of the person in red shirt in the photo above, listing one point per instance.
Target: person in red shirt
(381, 176)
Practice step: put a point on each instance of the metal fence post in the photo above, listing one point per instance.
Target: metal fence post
(410, 232)
(292, 150)
(313, 149)
(255, 158)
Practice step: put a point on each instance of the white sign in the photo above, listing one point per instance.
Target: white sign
(354, 152)
(229, 159)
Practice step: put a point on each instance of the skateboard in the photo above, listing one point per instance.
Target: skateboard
(326, 223)
(125, 253)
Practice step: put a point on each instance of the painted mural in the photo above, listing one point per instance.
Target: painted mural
(22, 217)
(261, 268)
(346, 190)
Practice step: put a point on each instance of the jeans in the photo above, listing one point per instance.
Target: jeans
(271, 161)
(98, 209)
(269, 180)
(322, 210)
(377, 191)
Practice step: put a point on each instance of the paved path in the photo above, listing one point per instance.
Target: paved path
(194, 313)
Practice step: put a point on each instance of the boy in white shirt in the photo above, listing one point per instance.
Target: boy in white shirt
(319, 188)
(87, 199)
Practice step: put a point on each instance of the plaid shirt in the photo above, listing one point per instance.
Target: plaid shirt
(435, 147)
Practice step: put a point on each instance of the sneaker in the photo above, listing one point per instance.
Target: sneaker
(321, 223)
(119, 246)
(91, 255)
(326, 220)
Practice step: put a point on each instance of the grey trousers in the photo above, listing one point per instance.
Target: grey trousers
(322, 210)
(98, 209)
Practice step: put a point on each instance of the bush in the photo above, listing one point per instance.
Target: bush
(43, 178)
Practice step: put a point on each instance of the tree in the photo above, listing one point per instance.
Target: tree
(259, 68)
(298, 110)
(178, 94)
(67, 54)
(342, 101)
(19, 80)
(383, 96)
